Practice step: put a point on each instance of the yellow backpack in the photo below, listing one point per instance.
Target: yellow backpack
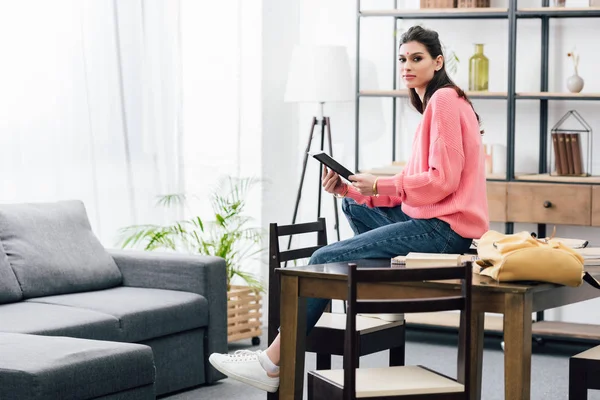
(521, 257)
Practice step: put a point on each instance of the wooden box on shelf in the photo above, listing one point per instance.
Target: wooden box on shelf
(438, 3)
(243, 314)
(473, 3)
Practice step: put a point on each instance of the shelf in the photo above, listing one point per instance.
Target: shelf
(561, 330)
(494, 95)
(451, 320)
(557, 96)
(558, 179)
(404, 93)
(559, 12)
(440, 13)
(494, 324)
(496, 177)
(388, 170)
(391, 170)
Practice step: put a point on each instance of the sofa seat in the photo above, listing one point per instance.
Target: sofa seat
(58, 320)
(51, 368)
(142, 313)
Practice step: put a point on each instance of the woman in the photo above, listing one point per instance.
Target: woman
(437, 204)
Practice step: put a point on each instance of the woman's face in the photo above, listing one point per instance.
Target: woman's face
(417, 66)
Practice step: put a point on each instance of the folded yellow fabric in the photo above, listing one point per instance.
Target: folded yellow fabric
(520, 257)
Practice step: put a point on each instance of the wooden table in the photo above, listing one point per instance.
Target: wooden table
(516, 301)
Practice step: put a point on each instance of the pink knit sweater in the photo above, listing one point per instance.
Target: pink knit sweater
(445, 175)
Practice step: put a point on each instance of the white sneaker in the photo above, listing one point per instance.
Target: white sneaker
(244, 366)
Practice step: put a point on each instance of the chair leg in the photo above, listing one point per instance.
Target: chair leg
(577, 381)
(323, 361)
(397, 356)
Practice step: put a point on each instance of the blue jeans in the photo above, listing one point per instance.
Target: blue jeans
(383, 232)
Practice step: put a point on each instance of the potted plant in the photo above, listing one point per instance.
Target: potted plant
(227, 235)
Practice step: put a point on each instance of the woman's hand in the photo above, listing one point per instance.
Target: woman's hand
(332, 183)
(363, 183)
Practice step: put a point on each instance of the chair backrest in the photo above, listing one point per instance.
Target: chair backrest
(276, 257)
(356, 276)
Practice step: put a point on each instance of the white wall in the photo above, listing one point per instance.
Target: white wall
(334, 22)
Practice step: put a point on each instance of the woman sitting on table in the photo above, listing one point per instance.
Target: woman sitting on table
(437, 204)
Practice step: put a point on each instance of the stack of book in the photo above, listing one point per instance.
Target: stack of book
(567, 153)
(429, 260)
(591, 256)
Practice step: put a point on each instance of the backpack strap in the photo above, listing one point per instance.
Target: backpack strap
(591, 280)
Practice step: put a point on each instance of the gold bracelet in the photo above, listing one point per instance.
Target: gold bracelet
(375, 187)
(341, 196)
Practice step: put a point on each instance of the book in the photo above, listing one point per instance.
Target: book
(562, 151)
(591, 255)
(569, 242)
(424, 260)
(557, 161)
(569, 153)
(576, 150)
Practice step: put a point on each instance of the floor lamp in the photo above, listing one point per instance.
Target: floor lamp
(318, 74)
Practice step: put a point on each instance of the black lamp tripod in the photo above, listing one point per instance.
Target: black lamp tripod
(324, 122)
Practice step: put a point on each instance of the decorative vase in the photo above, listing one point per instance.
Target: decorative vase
(575, 83)
(478, 70)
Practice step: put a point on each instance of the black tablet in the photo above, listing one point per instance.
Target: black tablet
(332, 164)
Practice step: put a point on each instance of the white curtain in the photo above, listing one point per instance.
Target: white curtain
(90, 106)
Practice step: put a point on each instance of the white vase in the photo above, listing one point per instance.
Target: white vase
(575, 83)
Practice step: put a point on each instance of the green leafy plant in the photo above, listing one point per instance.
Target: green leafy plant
(451, 59)
(227, 235)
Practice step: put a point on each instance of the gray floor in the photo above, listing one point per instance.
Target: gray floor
(549, 372)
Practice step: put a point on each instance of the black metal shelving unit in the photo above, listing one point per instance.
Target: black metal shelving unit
(512, 14)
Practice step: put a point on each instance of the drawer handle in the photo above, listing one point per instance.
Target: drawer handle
(547, 204)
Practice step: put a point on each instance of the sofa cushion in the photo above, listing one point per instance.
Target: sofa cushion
(142, 313)
(52, 249)
(10, 291)
(57, 320)
(49, 368)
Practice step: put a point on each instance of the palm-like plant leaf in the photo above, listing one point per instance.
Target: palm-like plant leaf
(227, 235)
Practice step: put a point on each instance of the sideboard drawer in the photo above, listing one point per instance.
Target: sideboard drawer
(549, 203)
(496, 195)
(595, 205)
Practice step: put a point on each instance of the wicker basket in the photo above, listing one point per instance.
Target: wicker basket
(438, 3)
(243, 314)
(473, 3)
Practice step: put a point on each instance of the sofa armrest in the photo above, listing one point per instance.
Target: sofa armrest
(204, 275)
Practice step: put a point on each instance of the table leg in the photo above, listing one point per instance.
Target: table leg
(293, 337)
(475, 353)
(517, 346)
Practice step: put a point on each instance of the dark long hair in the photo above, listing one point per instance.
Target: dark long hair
(430, 39)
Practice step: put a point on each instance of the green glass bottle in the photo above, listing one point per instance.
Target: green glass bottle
(478, 70)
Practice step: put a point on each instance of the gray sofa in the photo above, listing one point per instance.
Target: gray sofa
(56, 279)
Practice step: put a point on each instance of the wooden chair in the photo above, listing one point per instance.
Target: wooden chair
(327, 337)
(584, 369)
(406, 382)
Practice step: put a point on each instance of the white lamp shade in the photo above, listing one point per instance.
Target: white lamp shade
(319, 74)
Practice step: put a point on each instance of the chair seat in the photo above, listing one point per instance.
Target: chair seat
(389, 381)
(364, 325)
(591, 354)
